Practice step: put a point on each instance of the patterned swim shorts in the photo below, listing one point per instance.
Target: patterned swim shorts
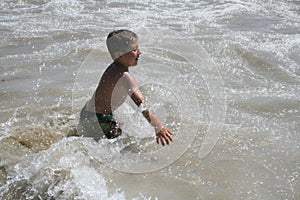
(94, 125)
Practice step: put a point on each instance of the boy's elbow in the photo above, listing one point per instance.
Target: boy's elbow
(147, 114)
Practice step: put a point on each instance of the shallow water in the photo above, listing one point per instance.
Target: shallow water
(223, 75)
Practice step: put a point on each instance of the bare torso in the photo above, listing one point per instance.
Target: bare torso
(112, 90)
(115, 85)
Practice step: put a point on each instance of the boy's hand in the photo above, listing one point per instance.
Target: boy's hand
(164, 136)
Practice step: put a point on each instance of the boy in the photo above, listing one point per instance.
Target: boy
(115, 84)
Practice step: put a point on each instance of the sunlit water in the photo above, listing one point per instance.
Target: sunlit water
(223, 75)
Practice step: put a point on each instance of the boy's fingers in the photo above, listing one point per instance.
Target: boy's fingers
(162, 141)
(167, 141)
(164, 138)
(170, 137)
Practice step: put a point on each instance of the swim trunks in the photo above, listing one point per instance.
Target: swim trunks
(94, 125)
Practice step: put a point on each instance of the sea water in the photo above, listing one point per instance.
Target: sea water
(222, 75)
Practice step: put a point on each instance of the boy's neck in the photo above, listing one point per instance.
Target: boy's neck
(120, 66)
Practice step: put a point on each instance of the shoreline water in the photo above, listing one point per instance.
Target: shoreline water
(255, 48)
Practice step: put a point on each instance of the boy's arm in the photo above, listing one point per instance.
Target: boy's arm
(163, 135)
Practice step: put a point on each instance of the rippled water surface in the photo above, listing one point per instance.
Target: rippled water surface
(223, 75)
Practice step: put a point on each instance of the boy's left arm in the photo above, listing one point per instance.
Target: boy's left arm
(163, 135)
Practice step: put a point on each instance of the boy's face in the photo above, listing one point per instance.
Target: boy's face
(131, 56)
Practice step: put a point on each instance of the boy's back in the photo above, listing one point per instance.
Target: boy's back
(111, 91)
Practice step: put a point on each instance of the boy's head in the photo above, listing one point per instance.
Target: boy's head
(119, 42)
